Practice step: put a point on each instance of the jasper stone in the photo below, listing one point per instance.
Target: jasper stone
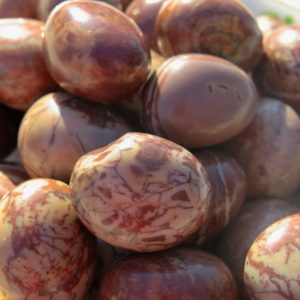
(198, 100)
(95, 51)
(273, 262)
(45, 7)
(228, 193)
(144, 13)
(278, 74)
(269, 150)
(23, 77)
(177, 274)
(130, 107)
(141, 192)
(59, 128)
(235, 241)
(45, 252)
(224, 28)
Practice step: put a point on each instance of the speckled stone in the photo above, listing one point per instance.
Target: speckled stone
(45, 7)
(141, 192)
(224, 28)
(181, 274)
(234, 242)
(18, 8)
(144, 13)
(95, 51)
(23, 77)
(278, 73)
(45, 252)
(269, 150)
(212, 98)
(59, 128)
(228, 193)
(273, 262)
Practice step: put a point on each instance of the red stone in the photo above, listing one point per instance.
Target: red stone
(141, 192)
(45, 7)
(269, 150)
(45, 252)
(144, 13)
(278, 73)
(198, 100)
(273, 262)
(174, 274)
(24, 77)
(233, 244)
(95, 51)
(224, 28)
(228, 193)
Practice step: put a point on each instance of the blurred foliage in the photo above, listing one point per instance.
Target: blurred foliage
(286, 19)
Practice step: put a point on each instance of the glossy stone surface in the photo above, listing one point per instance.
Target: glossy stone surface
(18, 8)
(141, 192)
(8, 131)
(44, 7)
(228, 193)
(43, 242)
(211, 97)
(223, 28)
(273, 262)
(21, 63)
(234, 242)
(269, 150)
(95, 51)
(144, 13)
(15, 172)
(181, 274)
(268, 23)
(130, 108)
(59, 128)
(278, 75)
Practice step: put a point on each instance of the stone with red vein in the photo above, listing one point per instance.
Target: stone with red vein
(228, 194)
(45, 252)
(23, 74)
(272, 267)
(141, 192)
